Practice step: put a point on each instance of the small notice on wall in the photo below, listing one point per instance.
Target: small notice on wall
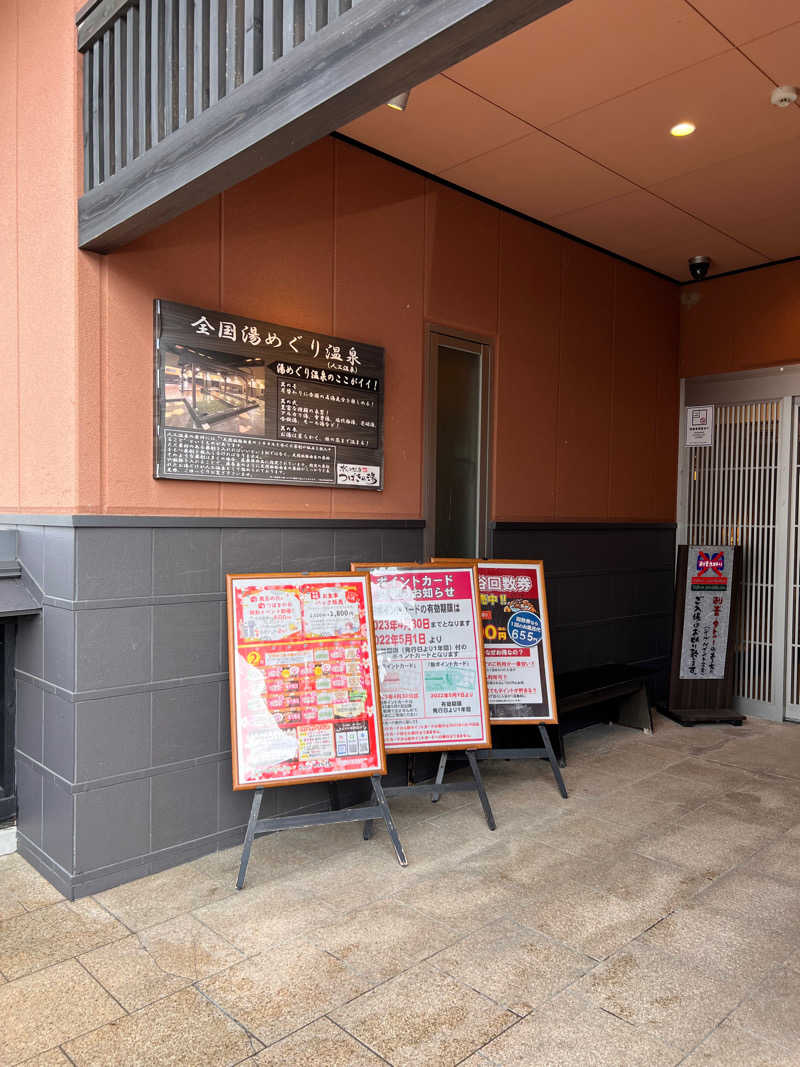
(241, 400)
(430, 658)
(700, 425)
(706, 612)
(304, 702)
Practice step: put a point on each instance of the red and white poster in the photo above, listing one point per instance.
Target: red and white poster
(430, 660)
(516, 641)
(304, 701)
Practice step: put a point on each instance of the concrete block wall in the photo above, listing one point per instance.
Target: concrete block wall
(123, 735)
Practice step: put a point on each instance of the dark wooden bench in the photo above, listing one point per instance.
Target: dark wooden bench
(586, 696)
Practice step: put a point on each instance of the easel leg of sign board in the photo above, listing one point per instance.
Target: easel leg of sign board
(439, 777)
(476, 774)
(249, 836)
(553, 761)
(380, 796)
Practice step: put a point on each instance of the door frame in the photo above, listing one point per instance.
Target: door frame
(779, 384)
(483, 347)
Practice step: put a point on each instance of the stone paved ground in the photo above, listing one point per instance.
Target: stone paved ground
(652, 919)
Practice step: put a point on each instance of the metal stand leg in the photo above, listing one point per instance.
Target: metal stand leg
(248, 837)
(380, 796)
(553, 761)
(439, 777)
(368, 829)
(476, 774)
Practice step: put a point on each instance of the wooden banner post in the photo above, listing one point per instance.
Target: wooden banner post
(305, 702)
(519, 661)
(431, 669)
(707, 597)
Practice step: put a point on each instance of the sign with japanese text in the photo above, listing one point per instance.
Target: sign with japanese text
(706, 614)
(700, 425)
(303, 678)
(516, 641)
(240, 400)
(430, 657)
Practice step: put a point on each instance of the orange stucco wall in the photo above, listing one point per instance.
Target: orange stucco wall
(337, 240)
(742, 322)
(39, 467)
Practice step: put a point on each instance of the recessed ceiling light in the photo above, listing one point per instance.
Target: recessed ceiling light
(682, 129)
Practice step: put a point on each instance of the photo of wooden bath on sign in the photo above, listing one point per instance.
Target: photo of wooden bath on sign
(430, 657)
(303, 679)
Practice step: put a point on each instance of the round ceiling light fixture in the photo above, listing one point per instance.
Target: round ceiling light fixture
(682, 129)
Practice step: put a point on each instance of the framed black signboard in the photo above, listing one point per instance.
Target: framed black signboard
(240, 400)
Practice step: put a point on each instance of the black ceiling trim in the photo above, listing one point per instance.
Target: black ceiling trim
(502, 207)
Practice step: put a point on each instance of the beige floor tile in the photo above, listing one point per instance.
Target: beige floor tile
(44, 1009)
(527, 864)
(570, 1032)
(590, 920)
(22, 888)
(54, 1058)
(772, 753)
(272, 856)
(630, 760)
(718, 773)
(279, 991)
(709, 840)
(131, 974)
(580, 834)
(744, 893)
(584, 780)
(184, 1030)
(186, 947)
(516, 967)
(773, 1010)
(663, 995)
(464, 899)
(780, 859)
(668, 788)
(730, 1046)
(773, 802)
(635, 878)
(254, 919)
(623, 809)
(322, 1043)
(383, 939)
(733, 946)
(162, 896)
(54, 933)
(423, 1018)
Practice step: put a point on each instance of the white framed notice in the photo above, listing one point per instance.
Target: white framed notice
(700, 425)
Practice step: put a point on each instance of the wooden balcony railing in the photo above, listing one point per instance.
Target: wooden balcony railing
(184, 98)
(151, 66)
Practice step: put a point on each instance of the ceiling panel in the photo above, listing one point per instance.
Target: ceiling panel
(443, 125)
(778, 54)
(538, 176)
(743, 20)
(735, 195)
(574, 57)
(634, 223)
(726, 98)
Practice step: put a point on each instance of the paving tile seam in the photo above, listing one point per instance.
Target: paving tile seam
(205, 925)
(94, 978)
(251, 1037)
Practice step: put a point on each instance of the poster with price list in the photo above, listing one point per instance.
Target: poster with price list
(516, 641)
(303, 677)
(430, 657)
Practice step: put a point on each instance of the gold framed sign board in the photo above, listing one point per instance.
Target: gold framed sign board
(304, 697)
(516, 641)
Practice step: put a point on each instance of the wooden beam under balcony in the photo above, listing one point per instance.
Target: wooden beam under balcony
(359, 61)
